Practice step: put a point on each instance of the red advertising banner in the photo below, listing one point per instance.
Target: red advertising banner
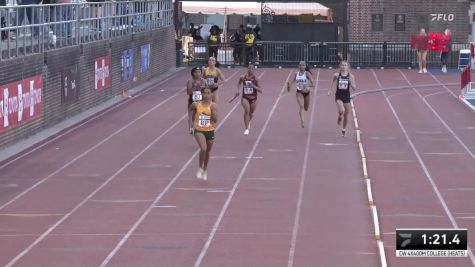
(22, 102)
(102, 79)
(419, 42)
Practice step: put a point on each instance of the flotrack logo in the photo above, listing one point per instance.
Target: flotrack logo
(442, 17)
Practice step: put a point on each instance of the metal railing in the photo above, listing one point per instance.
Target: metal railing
(317, 54)
(28, 29)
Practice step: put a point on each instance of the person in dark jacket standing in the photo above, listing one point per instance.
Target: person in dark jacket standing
(237, 40)
(214, 41)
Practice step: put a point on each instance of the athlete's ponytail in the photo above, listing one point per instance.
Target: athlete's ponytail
(307, 68)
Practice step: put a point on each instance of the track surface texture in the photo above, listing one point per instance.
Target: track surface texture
(120, 190)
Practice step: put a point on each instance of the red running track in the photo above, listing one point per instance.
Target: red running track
(120, 189)
(420, 148)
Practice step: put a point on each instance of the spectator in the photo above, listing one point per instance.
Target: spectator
(258, 34)
(237, 40)
(194, 32)
(31, 12)
(63, 14)
(96, 13)
(214, 41)
(3, 20)
(250, 39)
(444, 56)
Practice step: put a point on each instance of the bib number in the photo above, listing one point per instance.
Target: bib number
(248, 88)
(343, 84)
(204, 121)
(301, 85)
(210, 80)
(196, 96)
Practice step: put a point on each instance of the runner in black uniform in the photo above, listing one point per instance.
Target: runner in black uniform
(342, 82)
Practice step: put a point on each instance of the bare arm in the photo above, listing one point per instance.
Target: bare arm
(240, 81)
(310, 78)
(257, 86)
(189, 87)
(333, 86)
(191, 113)
(221, 78)
(291, 82)
(214, 113)
(353, 82)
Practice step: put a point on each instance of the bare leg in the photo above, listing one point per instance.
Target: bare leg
(346, 115)
(207, 154)
(341, 111)
(214, 96)
(306, 102)
(201, 140)
(247, 112)
(300, 101)
(251, 111)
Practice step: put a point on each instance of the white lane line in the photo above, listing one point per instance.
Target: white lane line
(236, 184)
(98, 115)
(298, 208)
(443, 85)
(91, 195)
(159, 197)
(84, 153)
(423, 165)
(89, 150)
(440, 118)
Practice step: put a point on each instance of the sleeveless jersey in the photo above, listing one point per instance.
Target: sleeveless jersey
(203, 118)
(301, 80)
(247, 90)
(197, 86)
(211, 76)
(343, 83)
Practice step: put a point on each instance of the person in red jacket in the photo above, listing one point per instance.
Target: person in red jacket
(444, 55)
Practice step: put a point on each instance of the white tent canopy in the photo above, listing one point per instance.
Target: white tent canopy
(247, 8)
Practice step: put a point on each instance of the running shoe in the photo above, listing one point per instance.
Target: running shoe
(246, 132)
(343, 133)
(199, 173)
(205, 176)
(424, 70)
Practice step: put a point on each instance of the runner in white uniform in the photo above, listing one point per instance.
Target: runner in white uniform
(303, 77)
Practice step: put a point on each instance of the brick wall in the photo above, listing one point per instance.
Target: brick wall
(50, 64)
(417, 15)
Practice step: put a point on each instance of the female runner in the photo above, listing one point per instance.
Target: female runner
(193, 89)
(303, 77)
(205, 113)
(214, 77)
(250, 88)
(341, 83)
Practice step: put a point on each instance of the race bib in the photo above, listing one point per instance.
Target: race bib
(248, 88)
(204, 121)
(196, 96)
(301, 85)
(343, 84)
(210, 80)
